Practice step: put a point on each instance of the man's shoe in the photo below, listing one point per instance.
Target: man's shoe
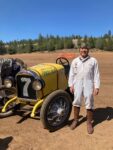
(89, 121)
(74, 124)
(90, 129)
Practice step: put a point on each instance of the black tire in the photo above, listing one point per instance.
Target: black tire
(6, 114)
(60, 102)
(11, 110)
(8, 94)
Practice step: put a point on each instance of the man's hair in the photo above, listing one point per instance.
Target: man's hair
(84, 45)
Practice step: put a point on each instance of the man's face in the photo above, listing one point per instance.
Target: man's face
(84, 52)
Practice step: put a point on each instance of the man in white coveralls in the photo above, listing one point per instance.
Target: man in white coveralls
(84, 81)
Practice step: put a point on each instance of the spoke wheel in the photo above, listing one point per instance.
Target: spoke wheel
(55, 110)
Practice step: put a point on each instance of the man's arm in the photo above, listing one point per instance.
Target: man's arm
(96, 78)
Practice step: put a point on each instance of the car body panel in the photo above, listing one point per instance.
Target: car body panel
(53, 75)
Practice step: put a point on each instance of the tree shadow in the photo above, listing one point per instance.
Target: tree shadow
(102, 114)
(4, 143)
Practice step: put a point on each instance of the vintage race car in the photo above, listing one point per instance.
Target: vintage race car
(44, 87)
(9, 67)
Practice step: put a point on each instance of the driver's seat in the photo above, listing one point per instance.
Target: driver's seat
(66, 68)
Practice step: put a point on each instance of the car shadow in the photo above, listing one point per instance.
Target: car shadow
(102, 114)
(24, 116)
(4, 143)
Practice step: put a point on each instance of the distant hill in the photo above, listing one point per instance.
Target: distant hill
(51, 43)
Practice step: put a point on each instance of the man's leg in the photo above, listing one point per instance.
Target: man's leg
(89, 103)
(77, 102)
(76, 117)
(90, 129)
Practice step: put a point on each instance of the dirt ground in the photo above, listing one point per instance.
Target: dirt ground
(25, 133)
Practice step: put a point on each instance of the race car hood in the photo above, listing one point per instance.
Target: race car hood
(45, 68)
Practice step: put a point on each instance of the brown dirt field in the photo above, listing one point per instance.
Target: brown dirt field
(17, 133)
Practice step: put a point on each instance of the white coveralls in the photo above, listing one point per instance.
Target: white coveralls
(84, 75)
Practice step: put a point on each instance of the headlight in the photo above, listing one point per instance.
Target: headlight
(37, 85)
(8, 83)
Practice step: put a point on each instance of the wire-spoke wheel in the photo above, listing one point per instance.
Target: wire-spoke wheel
(56, 110)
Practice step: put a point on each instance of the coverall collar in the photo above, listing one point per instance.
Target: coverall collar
(84, 59)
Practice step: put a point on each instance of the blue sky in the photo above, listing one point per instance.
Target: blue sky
(24, 19)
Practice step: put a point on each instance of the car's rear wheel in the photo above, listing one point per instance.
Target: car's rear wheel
(55, 110)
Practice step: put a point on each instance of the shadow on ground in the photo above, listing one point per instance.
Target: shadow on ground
(102, 114)
(4, 143)
(81, 120)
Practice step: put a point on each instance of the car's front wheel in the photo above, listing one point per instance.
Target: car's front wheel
(6, 95)
(55, 110)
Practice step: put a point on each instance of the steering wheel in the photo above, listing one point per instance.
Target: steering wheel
(63, 61)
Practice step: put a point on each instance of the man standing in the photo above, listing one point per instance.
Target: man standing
(84, 81)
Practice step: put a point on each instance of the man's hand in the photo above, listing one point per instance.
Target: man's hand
(96, 91)
(72, 89)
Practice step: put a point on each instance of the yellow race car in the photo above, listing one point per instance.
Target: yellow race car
(43, 87)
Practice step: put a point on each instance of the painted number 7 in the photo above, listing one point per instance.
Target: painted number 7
(26, 85)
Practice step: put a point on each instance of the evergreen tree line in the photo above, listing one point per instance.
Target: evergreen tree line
(51, 43)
